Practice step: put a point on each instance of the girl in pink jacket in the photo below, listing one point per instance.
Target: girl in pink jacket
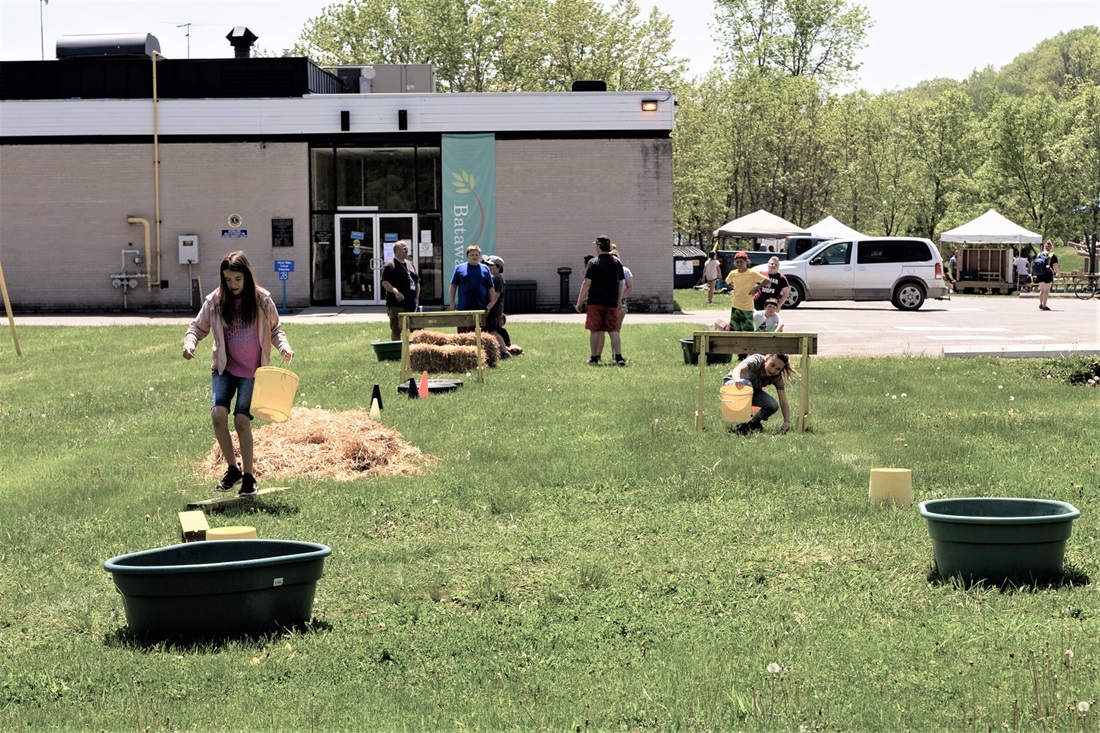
(245, 324)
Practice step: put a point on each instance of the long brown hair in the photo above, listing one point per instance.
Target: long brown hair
(788, 370)
(250, 296)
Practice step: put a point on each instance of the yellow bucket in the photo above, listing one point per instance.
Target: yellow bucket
(273, 394)
(736, 403)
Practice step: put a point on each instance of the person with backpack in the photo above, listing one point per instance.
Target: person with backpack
(1044, 269)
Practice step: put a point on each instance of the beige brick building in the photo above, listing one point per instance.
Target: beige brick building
(295, 169)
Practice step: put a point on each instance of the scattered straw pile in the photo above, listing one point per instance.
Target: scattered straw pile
(435, 352)
(319, 443)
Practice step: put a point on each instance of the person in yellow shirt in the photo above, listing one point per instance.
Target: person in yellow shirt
(744, 283)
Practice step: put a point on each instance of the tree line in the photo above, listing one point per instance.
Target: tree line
(767, 128)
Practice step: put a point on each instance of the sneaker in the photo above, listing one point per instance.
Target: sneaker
(593, 361)
(229, 480)
(620, 361)
(755, 425)
(248, 485)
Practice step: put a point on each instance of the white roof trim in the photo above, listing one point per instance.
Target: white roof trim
(320, 114)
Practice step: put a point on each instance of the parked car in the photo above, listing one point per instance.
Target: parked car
(903, 270)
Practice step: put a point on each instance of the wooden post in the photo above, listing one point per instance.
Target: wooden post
(11, 318)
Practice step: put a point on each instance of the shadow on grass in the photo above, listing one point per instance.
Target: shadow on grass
(125, 638)
(1071, 577)
(272, 508)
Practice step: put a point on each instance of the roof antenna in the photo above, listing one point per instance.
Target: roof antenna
(188, 34)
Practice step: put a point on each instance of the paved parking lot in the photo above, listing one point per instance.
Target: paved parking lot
(963, 326)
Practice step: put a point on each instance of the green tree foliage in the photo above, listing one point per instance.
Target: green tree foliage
(501, 45)
(1023, 140)
(815, 38)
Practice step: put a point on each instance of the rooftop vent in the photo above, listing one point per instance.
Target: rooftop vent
(117, 44)
(241, 39)
(589, 85)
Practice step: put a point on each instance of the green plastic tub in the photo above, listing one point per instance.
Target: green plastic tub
(999, 540)
(691, 356)
(387, 350)
(218, 588)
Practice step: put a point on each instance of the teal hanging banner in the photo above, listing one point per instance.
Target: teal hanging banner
(469, 198)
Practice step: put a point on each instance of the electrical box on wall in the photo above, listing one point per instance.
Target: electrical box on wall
(189, 249)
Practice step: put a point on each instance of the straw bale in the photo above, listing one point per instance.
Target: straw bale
(324, 444)
(435, 359)
(489, 346)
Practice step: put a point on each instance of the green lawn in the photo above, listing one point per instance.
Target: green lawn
(577, 557)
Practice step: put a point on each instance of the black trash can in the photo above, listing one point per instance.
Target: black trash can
(519, 296)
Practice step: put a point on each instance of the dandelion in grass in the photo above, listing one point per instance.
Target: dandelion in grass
(1083, 706)
(255, 661)
(774, 668)
(903, 395)
(893, 396)
(1011, 398)
(1000, 386)
(435, 501)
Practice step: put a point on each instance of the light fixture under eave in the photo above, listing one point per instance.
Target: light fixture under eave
(649, 105)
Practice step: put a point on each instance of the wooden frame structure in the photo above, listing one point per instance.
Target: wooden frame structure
(748, 342)
(437, 319)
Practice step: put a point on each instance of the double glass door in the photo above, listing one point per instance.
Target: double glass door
(364, 243)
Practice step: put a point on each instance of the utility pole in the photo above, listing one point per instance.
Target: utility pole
(41, 31)
(188, 34)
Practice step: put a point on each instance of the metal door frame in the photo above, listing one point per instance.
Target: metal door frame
(379, 248)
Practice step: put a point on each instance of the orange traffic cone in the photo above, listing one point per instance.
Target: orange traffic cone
(423, 384)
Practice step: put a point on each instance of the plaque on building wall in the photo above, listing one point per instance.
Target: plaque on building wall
(282, 232)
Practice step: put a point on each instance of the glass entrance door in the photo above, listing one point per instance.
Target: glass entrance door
(364, 243)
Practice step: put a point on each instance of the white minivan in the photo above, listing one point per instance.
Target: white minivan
(903, 270)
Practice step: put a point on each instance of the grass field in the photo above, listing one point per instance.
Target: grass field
(577, 556)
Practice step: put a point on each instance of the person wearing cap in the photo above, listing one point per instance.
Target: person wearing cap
(744, 283)
(768, 320)
(603, 289)
(494, 316)
(400, 281)
(776, 287)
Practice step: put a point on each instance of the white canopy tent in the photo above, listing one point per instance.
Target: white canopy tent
(830, 227)
(760, 224)
(990, 228)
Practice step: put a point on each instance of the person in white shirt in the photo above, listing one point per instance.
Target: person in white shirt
(711, 271)
(768, 320)
(1021, 271)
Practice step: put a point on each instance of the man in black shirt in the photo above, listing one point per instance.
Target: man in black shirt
(603, 288)
(400, 283)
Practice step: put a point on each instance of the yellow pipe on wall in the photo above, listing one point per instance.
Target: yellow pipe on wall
(156, 174)
(148, 272)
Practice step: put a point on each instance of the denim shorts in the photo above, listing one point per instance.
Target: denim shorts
(224, 385)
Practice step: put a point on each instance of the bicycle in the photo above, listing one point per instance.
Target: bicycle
(1087, 287)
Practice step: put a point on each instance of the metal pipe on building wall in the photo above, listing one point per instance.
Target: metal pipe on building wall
(148, 272)
(156, 181)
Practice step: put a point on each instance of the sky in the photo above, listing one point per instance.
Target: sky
(910, 40)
